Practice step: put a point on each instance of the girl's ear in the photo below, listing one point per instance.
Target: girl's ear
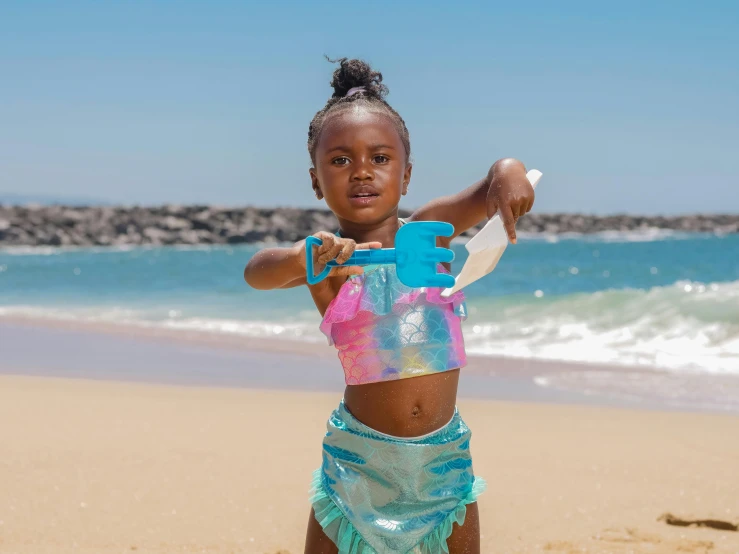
(407, 177)
(314, 183)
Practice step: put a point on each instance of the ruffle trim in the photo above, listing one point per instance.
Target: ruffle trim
(344, 535)
(377, 291)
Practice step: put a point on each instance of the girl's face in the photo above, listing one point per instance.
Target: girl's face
(360, 166)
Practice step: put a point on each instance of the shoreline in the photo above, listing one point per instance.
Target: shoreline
(134, 353)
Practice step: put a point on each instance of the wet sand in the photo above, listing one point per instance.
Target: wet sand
(159, 355)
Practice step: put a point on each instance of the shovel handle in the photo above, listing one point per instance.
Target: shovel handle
(360, 257)
(415, 255)
(369, 256)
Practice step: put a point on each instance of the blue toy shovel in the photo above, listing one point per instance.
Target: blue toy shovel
(415, 255)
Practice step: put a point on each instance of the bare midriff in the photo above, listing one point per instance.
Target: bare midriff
(405, 407)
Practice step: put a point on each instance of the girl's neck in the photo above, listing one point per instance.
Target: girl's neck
(383, 231)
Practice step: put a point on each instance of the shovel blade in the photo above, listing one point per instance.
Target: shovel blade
(418, 257)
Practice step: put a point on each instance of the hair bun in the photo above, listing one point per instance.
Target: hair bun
(356, 73)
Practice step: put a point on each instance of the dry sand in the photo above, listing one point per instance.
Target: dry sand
(107, 467)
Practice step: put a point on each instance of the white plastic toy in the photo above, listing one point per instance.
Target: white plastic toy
(485, 248)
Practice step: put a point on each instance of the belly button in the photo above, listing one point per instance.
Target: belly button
(415, 411)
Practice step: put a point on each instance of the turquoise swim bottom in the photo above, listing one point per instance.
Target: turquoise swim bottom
(380, 494)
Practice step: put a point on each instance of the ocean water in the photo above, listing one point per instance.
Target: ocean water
(652, 300)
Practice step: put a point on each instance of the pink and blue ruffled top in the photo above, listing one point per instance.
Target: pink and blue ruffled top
(385, 330)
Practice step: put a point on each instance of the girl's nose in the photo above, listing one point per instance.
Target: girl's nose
(363, 171)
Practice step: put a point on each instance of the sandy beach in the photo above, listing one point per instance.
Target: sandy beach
(111, 467)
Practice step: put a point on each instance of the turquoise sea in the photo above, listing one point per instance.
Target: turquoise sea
(653, 300)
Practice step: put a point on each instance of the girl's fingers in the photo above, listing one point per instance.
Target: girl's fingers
(327, 239)
(509, 222)
(349, 246)
(346, 252)
(368, 245)
(327, 242)
(346, 271)
(330, 253)
(341, 250)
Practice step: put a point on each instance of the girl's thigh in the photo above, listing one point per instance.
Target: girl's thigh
(316, 541)
(466, 539)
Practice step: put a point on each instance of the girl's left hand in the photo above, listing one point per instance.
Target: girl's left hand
(510, 193)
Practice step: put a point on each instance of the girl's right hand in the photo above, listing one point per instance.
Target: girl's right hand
(339, 249)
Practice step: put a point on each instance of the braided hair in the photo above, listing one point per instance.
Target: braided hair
(352, 74)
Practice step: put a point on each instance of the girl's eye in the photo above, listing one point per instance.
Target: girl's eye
(343, 160)
(381, 159)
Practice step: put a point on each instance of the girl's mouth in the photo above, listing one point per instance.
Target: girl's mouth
(363, 198)
(363, 195)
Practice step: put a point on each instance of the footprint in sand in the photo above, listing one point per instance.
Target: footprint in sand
(563, 547)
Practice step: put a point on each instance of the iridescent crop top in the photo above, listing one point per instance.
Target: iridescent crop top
(385, 330)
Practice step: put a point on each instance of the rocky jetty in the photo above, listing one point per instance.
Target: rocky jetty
(112, 226)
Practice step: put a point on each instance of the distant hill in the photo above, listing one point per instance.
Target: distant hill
(14, 199)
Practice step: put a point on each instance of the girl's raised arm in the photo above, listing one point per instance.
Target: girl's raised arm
(505, 189)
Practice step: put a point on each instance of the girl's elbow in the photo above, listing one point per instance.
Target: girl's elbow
(250, 279)
(256, 279)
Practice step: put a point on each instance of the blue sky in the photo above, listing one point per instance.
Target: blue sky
(625, 107)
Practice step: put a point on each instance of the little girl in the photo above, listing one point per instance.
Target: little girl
(396, 472)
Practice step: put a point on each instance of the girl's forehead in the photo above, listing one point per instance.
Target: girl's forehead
(359, 124)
